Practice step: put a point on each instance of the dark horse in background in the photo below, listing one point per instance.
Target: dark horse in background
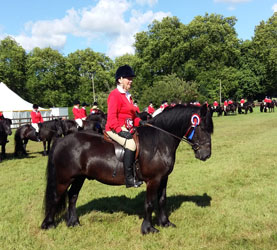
(47, 131)
(96, 122)
(83, 155)
(22, 135)
(69, 126)
(5, 130)
(231, 108)
(247, 106)
(218, 109)
(145, 116)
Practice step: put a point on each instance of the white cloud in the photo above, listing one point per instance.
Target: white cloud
(124, 42)
(231, 1)
(107, 20)
(274, 7)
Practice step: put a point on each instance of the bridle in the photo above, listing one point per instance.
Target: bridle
(195, 146)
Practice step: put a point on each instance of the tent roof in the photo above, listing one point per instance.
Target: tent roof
(10, 101)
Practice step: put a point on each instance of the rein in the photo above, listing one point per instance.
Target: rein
(194, 146)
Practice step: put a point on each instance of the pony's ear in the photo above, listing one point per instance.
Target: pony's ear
(204, 109)
(137, 113)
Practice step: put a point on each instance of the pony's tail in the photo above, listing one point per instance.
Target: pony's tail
(18, 145)
(51, 198)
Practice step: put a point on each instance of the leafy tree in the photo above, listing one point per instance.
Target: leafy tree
(172, 89)
(12, 66)
(46, 74)
(86, 68)
(265, 46)
(252, 73)
(206, 46)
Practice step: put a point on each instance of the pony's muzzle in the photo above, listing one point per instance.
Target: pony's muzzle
(203, 152)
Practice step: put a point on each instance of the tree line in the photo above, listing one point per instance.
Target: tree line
(172, 61)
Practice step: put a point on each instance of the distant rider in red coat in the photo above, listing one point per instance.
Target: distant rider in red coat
(77, 113)
(242, 101)
(36, 119)
(94, 109)
(150, 108)
(83, 111)
(215, 104)
(121, 118)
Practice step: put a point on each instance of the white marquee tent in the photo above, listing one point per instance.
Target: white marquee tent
(14, 107)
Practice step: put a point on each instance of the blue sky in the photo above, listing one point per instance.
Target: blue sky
(108, 26)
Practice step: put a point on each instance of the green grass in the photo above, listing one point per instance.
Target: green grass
(227, 202)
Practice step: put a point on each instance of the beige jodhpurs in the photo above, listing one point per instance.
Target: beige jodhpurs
(126, 143)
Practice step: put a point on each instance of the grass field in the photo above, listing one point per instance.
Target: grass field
(227, 202)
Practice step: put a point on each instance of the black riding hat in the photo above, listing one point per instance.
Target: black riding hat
(124, 71)
(76, 102)
(35, 106)
(84, 104)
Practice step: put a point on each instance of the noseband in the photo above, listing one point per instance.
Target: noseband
(195, 146)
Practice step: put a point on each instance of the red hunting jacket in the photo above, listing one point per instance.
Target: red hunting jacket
(83, 113)
(36, 117)
(150, 110)
(120, 110)
(77, 113)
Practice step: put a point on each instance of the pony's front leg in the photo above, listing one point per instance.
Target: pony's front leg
(4, 150)
(72, 218)
(25, 141)
(162, 215)
(44, 148)
(48, 146)
(49, 221)
(151, 194)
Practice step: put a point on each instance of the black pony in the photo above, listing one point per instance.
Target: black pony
(48, 131)
(98, 121)
(231, 108)
(22, 135)
(69, 126)
(247, 106)
(83, 155)
(218, 109)
(145, 116)
(5, 130)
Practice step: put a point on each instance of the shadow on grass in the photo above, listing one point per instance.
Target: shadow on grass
(11, 157)
(134, 206)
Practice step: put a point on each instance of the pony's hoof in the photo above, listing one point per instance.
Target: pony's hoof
(73, 223)
(147, 228)
(168, 224)
(46, 226)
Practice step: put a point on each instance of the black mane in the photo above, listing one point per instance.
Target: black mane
(177, 119)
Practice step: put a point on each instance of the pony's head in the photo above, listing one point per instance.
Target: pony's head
(201, 138)
(6, 125)
(59, 127)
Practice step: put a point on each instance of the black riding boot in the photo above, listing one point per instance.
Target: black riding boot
(128, 162)
(37, 135)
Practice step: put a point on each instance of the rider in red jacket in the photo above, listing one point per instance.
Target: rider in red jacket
(83, 111)
(36, 119)
(121, 118)
(150, 108)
